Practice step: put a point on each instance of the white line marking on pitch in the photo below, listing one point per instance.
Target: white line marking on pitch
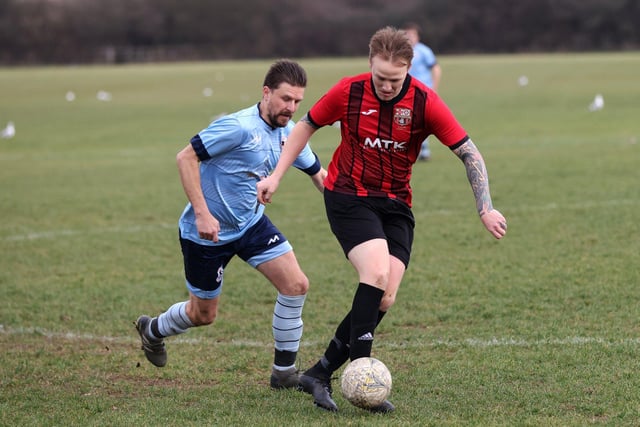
(423, 213)
(70, 233)
(469, 342)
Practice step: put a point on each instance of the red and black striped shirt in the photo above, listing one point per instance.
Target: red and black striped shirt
(381, 139)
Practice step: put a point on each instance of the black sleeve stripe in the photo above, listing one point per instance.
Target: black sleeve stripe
(198, 147)
(458, 144)
(311, 122)
(313, 169)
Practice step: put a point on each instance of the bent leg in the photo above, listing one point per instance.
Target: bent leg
(202, 311)
(184, 315)
(285, 274)
(287, 277)
(176, 320)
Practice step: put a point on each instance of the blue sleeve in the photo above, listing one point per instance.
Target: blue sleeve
(221, 136)
(314, 168)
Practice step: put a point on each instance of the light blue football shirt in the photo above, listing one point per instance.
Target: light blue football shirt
(234, 152)
(423, 61)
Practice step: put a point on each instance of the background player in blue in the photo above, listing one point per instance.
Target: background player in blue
(425, 68)
(219, 170)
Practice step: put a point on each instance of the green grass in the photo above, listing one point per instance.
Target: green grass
(540, 328)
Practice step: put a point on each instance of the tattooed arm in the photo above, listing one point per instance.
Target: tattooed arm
(493, 220)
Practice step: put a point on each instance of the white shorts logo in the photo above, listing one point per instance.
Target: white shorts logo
(273, 240)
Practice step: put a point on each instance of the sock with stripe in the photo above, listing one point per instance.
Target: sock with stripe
(174, 321)
(287, 329)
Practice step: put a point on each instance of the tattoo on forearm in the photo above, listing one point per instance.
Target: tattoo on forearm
(477, 175)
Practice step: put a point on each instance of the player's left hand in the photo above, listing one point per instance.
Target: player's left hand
(495, 223)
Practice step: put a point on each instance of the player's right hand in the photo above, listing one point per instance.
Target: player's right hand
(495, 223)
(266, 187)
(208, 227)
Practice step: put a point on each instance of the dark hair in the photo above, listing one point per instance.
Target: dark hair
(392, 45)
(285, 71)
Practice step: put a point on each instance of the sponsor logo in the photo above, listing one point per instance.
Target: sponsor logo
(256, 139)
(366, 337)
(369, 112)
(385, 144)
(272, 240)
(402, 116)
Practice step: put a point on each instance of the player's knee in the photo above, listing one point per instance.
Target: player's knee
(203, 315)
(205, 318)
(378, 278)
(299, 286)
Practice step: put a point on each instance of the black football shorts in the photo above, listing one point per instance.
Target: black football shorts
(355, 219)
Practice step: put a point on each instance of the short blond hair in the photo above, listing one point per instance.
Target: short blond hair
(391, 44)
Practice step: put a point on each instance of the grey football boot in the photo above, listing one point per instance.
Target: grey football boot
(153, 349)
(284, 379)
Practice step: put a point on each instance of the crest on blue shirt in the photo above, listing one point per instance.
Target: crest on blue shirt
(402, 116)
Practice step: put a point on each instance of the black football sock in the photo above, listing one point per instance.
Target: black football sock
(338, 352)
(284, 358)
(380, 316)
(318, 370)
(364, 318)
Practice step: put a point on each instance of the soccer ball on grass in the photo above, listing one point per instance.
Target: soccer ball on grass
(366, 382)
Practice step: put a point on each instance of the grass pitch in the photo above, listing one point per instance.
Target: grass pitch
(540, 328)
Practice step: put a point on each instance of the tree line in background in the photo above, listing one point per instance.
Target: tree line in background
(118, 31)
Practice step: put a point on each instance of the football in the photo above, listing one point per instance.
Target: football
(366, 382)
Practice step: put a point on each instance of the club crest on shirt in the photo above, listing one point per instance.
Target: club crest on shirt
(402, 116)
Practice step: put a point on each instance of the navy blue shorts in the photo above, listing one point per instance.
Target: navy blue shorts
(355, 220)
(204, 265)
